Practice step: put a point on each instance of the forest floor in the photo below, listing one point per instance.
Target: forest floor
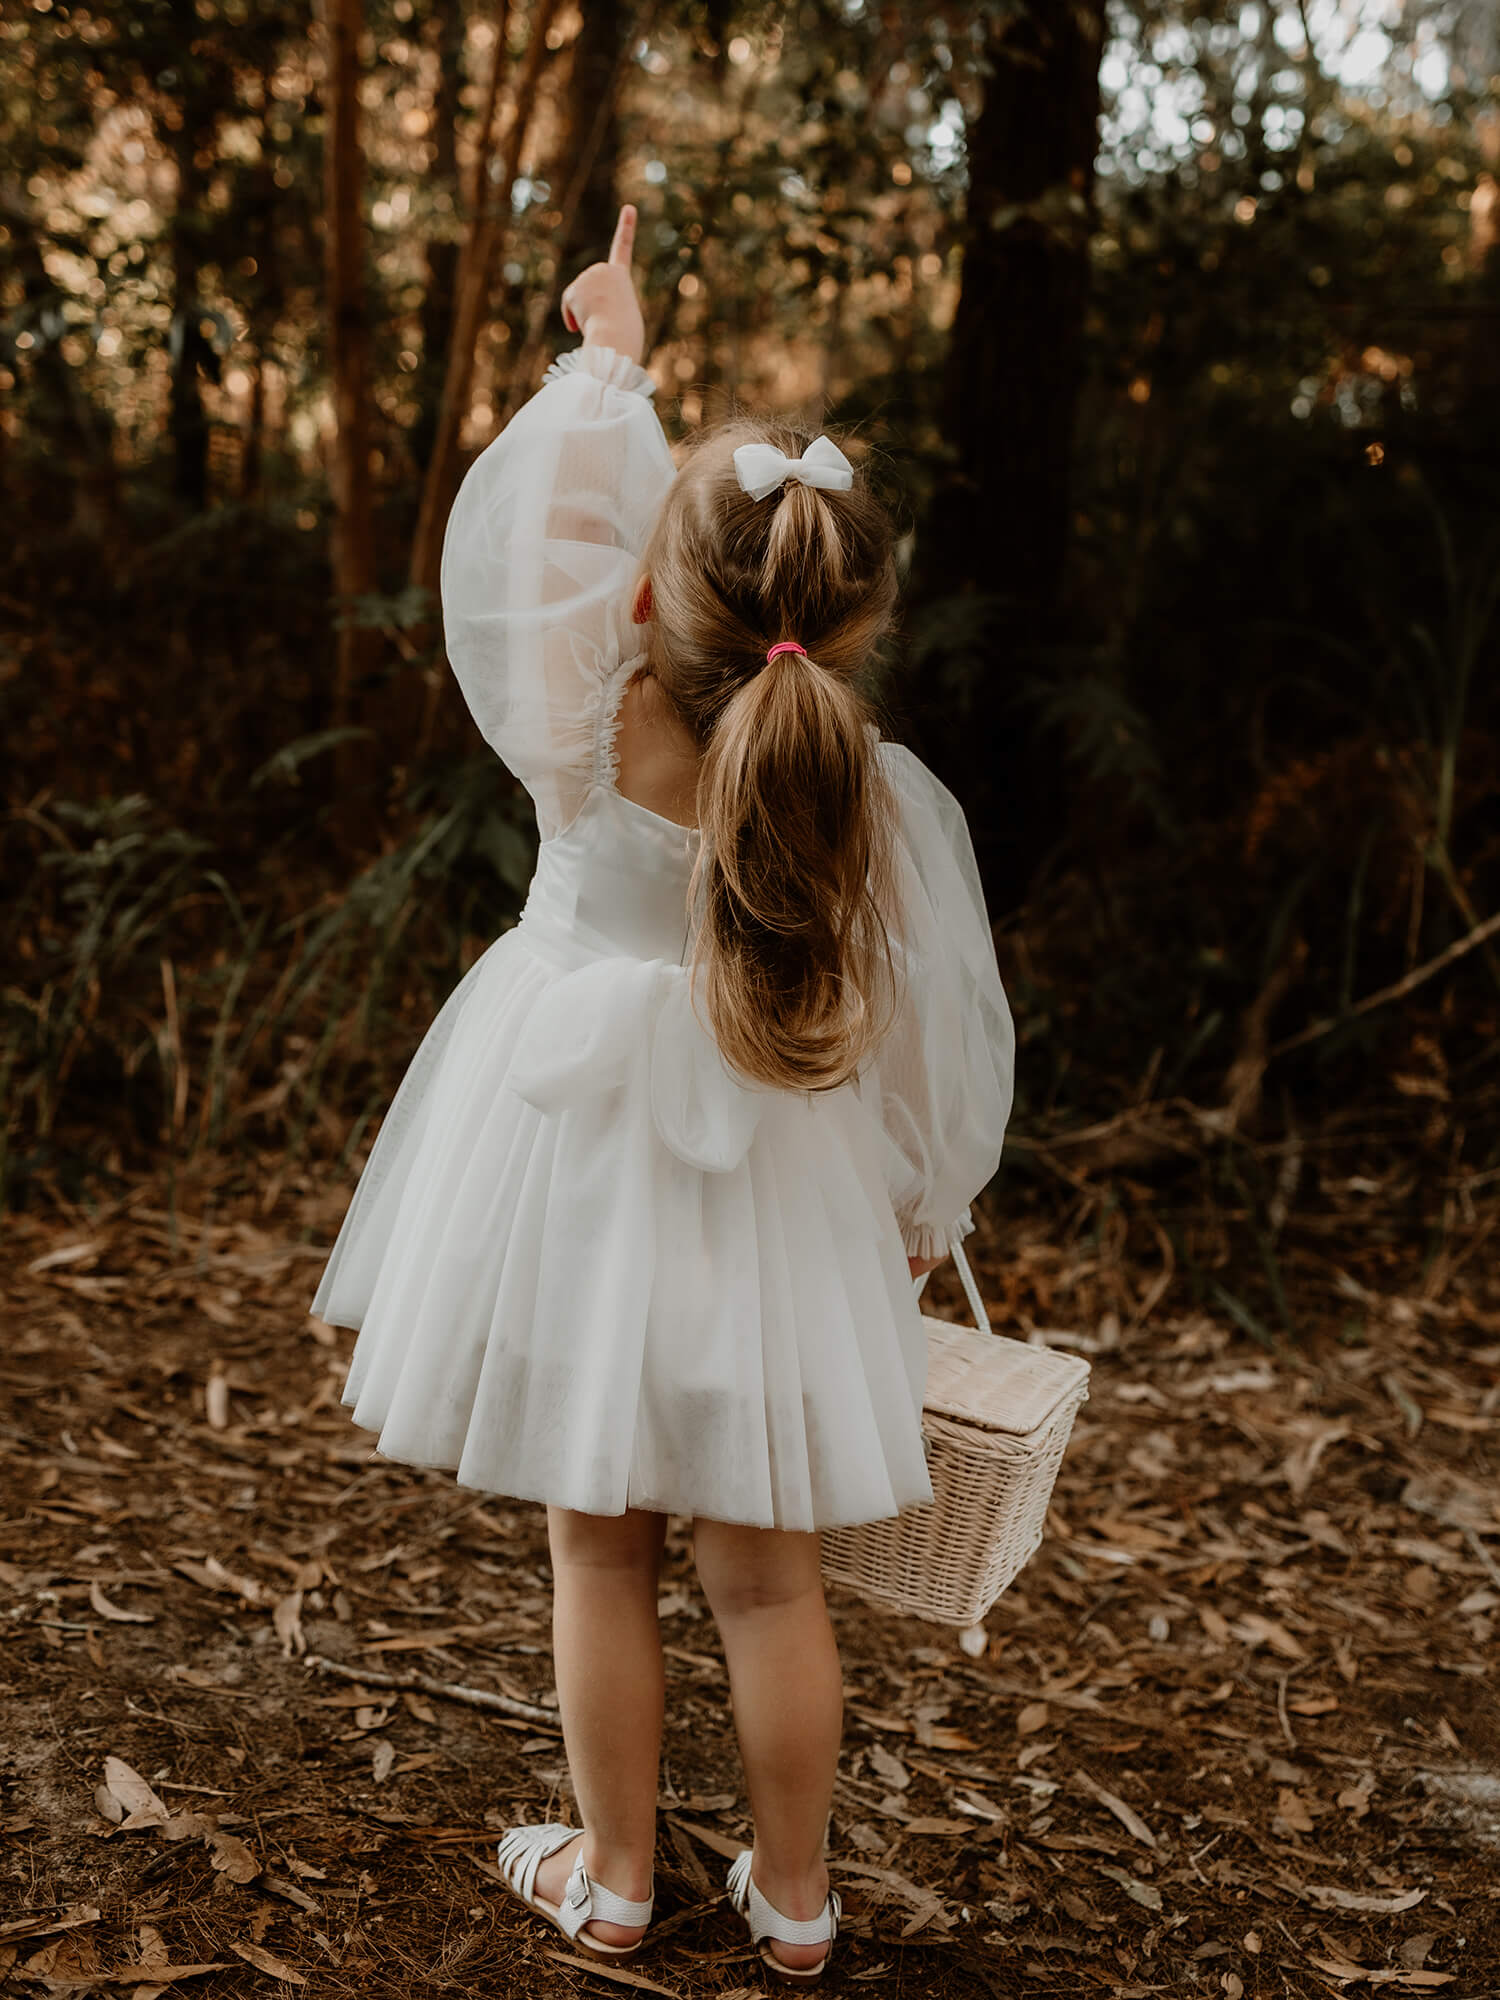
(1236, 1729)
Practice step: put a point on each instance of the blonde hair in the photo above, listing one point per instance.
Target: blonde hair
(792, 956)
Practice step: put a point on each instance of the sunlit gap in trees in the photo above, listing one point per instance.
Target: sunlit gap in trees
(1164, 79)
(1280, 100)
(1233, 113)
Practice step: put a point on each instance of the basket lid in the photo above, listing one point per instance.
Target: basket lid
(996, 1383)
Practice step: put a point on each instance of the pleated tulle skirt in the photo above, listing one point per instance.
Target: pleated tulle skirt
(589, 1267)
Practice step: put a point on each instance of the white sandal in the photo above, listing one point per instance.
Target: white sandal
(765, 1921)
(522, 1852)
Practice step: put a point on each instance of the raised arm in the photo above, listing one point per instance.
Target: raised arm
(543, 547)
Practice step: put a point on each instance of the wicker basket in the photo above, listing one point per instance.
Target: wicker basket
(996, 1422)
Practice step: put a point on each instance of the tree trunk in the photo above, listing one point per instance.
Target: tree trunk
(78, 432)
(590, 200)
(593, 128)
(476, 265)
(997, 531)
(442, 251)
(187, 422)
(353, 547)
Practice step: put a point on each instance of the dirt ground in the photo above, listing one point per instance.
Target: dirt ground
(1235, 1731)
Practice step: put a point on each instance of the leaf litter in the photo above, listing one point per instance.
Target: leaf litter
(274, 1699)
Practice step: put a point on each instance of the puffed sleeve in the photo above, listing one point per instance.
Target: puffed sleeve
(945, 1071)
(539, 566)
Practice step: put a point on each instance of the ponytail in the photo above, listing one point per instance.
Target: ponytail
(792, 950)
(792, 962)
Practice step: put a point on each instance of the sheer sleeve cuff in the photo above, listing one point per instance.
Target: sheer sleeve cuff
(936, 1239)
(605, 363)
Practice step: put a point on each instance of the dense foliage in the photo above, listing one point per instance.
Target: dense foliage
(1231, 756)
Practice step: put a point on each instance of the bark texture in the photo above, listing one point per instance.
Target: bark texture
(353, 547)
(997, 532)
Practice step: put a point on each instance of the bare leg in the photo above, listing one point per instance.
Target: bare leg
(607, 1645)
(765, 1588)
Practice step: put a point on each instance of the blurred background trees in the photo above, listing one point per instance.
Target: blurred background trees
(1175, 328)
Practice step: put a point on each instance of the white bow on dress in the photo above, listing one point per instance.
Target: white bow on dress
(761, 468)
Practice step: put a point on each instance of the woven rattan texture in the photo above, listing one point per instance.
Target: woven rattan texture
(991, 1487)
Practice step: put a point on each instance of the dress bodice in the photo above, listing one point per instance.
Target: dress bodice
(613, 884)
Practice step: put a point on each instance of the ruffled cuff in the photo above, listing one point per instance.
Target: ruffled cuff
(934, 1239)
(605, 363)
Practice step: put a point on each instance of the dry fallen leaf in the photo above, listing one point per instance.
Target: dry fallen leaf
(287, 1618)
(1356, 1798)
(268, 1962)
(716, 1842)
(1301, 1465)
(383, 1758)
(1126, 1814)
(1138, 1892)
(1333, 1898)
(212, 1575)
(139, 1806)
(69, 1919)
(58, 1976)
(1258, 1631)
(114, 1612)
(1349, 1973)
(216, 1401)
(617, 1975)
(230, 1856)
(278, 1885)
(888, 1767)
(1034, 1716)
(423, 1761)
(938, 1736)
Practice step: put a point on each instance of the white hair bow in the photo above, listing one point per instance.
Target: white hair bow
(761, 468)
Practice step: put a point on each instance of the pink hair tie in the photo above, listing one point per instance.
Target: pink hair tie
(786, 646)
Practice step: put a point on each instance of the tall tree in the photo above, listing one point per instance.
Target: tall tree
(997, 530)
(353, 549)
(590, 201)
(492, 190)
(593, 122)
(192, 94)
(446, 29)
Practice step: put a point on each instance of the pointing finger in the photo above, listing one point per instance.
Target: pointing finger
(624, 242)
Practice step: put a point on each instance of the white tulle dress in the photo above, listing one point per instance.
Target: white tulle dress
(588, 1264)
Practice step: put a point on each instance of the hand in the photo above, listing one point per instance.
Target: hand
(601, 303)
(920, 1266)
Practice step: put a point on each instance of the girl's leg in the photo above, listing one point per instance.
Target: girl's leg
(607, 1646)
(765, 1589)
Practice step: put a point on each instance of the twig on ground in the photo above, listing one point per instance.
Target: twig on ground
(498, 1704)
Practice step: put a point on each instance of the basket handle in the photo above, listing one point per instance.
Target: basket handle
(971, 1289)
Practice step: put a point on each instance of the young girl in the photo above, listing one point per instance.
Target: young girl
(639, 1233)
